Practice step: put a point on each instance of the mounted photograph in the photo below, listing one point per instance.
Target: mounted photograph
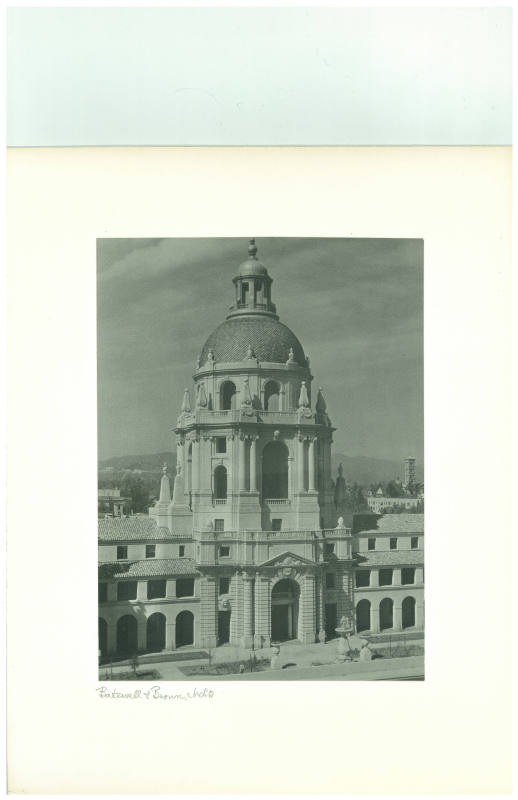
(260, 459)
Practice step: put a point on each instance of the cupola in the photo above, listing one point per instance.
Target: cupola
(253, 287)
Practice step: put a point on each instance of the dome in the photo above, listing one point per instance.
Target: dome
(269, 339)
(252, 267)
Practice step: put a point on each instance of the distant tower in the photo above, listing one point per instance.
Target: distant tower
(409, 471)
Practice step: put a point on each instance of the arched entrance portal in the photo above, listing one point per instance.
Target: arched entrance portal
(408, 612)
(184, 628)
(363, 616)
(386, 614)
(285, 610)
(155, 633)
(275, 470)
(103, 636)
(127, 635)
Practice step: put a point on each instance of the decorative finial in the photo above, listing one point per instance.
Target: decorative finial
(198, 361)
(247, 397)
(210, 357)
(291, 357)
(303, 397)
(340, 469)
(202, 397)
(320, 405)
(250, 355)
(252, 249)
(164, 468)
(186, 402)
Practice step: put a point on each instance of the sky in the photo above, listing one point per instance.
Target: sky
(356, 305)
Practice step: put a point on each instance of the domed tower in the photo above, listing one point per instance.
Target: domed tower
(252, 453)
(253, 493)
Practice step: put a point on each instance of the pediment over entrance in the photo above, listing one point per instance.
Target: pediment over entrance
(288, 559)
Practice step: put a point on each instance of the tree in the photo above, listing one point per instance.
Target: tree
(391, 489)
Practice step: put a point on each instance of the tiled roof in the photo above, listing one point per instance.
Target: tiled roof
(398, 523)
(127, 529)
(389, 558)
(269, 339)
(150, 567)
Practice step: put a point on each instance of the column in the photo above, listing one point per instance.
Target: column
(141, 632)
(195, 470)
(262, 613)
(170, 633)
(418, 577)
(253, 464)
(419, 615)
(311, 466)
(307, 608)
(242, 463)
(111, 644)
(396, 576)
(142, 591)
(248, 611)
(112, 592)
(374, 578)
(397, 622)
(321, 610)
(375, 617)
(300, 464)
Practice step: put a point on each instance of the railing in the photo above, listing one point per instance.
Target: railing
(277, 501)
(235, 415)
(219, 501)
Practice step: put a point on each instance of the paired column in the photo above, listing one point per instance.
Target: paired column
(311, 465)
(242, 463)
(300, 464)
(248, 611)
(253, 464)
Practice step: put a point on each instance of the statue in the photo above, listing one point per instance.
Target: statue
(365, 652)
(210, 357)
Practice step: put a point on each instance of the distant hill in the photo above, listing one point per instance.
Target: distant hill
(360, 469)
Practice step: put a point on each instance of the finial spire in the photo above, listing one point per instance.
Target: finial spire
(164, 468)
(186, 402)
(303, 397)
(165, 489)
(252, 249)
(320, 405)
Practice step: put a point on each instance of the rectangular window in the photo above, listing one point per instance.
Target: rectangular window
(407, 575)
(385, 577)
(219, 525)
(363, 578)
(122, 552)
(371, 544)
(276, 524)
(393, 543)
(224, 551)
(221, 444)
(102, 593)
(414, 542)
(150, 550)
(330, 580)
(155, 589)
(185, 587)
(181, 550)
(329, 548)
(127, 590)
(224, 585)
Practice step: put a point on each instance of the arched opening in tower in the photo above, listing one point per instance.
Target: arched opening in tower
(275, 470)
(271, 396)
(228, 396)
(220, 483)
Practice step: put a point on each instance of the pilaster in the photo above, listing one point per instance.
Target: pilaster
(248, 611)
(307, 624)
(208, 624)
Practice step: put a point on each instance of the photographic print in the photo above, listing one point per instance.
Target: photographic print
(281, 535)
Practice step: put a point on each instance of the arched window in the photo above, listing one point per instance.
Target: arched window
(127, 635)
(271, 396)
(103, 636)
(227, 396)
(220, 483)
(386, 614)
(155, 633)
(184, 628)
(275, 470)
(363, 616)
(408, 612)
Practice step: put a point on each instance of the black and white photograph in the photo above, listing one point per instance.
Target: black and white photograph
(260, 444)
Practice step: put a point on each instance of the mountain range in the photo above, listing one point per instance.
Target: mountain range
(360, 469)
